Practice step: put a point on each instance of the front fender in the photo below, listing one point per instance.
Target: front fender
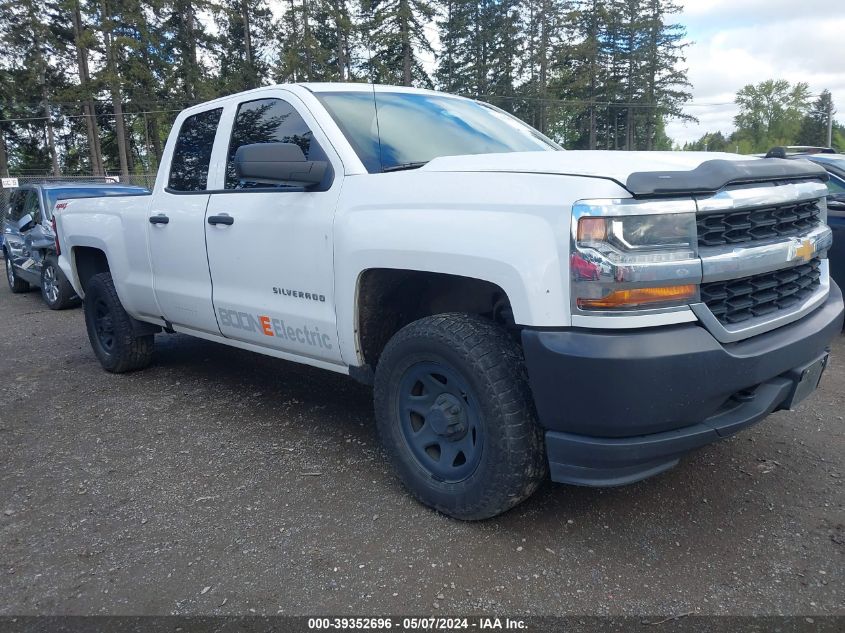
(507, 229)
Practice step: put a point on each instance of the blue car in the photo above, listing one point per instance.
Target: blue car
(29, 245)
(835, 166)
(834, 163)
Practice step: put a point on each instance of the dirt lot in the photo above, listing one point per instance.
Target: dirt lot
(219, 481)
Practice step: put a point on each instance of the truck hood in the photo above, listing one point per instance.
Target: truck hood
(643, 174)
(614, 165)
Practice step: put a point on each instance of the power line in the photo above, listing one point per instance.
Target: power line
(82, 116)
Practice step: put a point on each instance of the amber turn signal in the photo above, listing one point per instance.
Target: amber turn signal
(592, 230)
(637, 297)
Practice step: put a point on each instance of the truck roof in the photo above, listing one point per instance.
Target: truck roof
(318, 87)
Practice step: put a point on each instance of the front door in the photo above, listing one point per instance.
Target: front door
(270, 247)
(23, 202)
(176, 228)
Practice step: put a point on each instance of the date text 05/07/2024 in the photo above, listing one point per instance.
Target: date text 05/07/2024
(417, 623)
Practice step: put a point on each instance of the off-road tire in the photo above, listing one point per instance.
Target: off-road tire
(66, 296)
(512, 462)
(110, 330)
(16, 284)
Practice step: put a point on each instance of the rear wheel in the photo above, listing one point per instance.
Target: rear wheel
(110, 329)
(16, 284)
(56, 290)
(456, 416)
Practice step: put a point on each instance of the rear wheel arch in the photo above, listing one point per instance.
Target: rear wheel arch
(87, 262)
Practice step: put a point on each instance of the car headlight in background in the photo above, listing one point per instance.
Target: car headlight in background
(634, 255)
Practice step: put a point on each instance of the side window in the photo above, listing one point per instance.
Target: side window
(32, 206)
(267, 121)
(834, 185)
(16, 202)
(192, 153)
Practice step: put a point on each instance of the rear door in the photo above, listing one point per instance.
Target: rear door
(270, 247)
(176, 226)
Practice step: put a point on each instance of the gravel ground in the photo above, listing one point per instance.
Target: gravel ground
(220, 481)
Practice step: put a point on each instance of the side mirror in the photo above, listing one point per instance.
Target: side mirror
(278, 164)
(26, 223)
(836, 202)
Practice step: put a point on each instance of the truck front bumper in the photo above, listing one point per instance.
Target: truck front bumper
(622, 406)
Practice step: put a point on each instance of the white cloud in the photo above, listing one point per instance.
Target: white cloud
(738, 42)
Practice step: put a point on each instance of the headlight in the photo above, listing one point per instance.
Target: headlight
(628, 255)
(623, 236)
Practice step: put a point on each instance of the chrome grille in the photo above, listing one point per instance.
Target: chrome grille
(738, 300)
(749, 225)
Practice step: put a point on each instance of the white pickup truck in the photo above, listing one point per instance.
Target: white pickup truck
(520, 310)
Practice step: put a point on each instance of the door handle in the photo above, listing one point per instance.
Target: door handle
(159, 219)
(228, 220)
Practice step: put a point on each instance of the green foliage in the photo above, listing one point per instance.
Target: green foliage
(771, 113)
(775, 113)
(615, 64)
(393, 33)
(93, 85)
(247, 22)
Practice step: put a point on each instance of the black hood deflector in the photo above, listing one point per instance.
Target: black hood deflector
(713, 175)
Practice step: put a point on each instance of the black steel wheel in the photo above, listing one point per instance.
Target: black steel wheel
(440, 420)
(110, 330)
(104, 325)
(456, 416)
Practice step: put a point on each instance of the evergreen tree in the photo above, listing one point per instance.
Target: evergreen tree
(394, 35)
(92, 84)
(85, 90)
(815, 124)
(36, 74)
(191, 49)
(335, 34)
(665, 84)
(245, 27)
(316, 42)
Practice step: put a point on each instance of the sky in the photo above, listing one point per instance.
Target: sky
(739, 42)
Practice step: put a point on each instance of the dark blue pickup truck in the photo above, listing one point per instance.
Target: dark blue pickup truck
(834, 164)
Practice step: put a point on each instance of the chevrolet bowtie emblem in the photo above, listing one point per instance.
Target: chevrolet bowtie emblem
(805, 251)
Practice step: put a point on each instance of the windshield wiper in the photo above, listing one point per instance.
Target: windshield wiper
(404, 166)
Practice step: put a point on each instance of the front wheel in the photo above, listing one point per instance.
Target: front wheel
(110, 330)
(56, 290)
(456, 416)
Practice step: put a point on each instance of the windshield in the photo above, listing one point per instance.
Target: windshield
(413, 128)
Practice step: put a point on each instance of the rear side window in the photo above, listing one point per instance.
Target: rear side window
(834, 185)
(24, 201)
(16, 204)
(265, 121)
(192, 154)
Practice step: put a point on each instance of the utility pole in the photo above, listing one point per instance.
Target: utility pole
(830, 122)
